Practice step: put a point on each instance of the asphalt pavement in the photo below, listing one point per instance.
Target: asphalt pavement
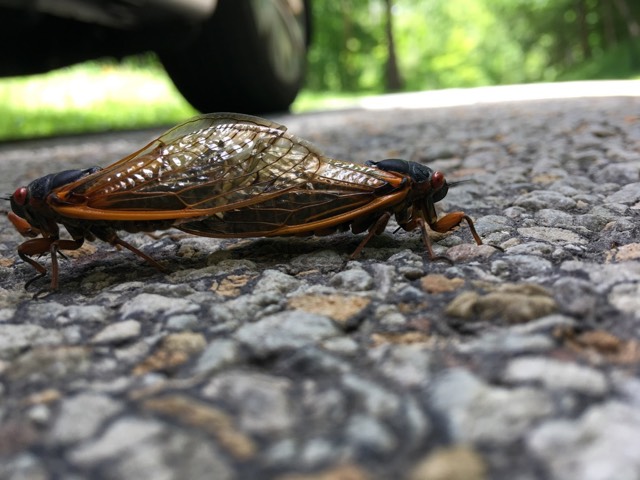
(279, 358)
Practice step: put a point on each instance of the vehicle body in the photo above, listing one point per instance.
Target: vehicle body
(224, 55)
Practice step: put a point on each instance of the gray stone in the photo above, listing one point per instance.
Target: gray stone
(368, 433)
(185, 321)
(260, 402)
(493, 223)
(477, 412)
(24, 466)
(629, 194)
(246, 308)
(620, 173)
(604, 277)
(549, 217)
(122, 437)
(318, 451)
(149, 305)
(556, 375)
(352, 280)
(507, 342)
(626, 298)
(16, 337)
(286, 330)
(180, 456)
(118, 332)
(276, 281)
(575, 296)
(322, 260)
(539, 199)
(552, 234)
(531, 248)
(406, 364)
(600, 445)
(218, 354)
(342, 345)
(83, 314)
(43, 311)
(529, 265)
(376, 400)
(81, 416)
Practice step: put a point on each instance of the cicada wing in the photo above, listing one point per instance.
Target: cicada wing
(227, 175)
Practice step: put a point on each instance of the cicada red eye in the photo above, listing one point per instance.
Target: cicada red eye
(20, 196)
(437, 181)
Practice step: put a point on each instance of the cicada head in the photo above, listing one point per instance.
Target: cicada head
(30, 202)
(431, 184)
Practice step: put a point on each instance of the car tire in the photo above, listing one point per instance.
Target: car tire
(249, 57)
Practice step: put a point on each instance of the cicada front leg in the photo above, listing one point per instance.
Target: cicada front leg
(451, 221)
(38, 246)
(23, 227)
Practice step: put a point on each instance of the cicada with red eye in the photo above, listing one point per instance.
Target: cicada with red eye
(227, 175)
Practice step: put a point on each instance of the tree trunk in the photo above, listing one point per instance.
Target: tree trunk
(581, 9)
(392, 77)
(634, 31)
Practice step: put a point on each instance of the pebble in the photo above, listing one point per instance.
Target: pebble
(477, 412)
(120, 438)
(552, 234)
(16, 337)
(352, 280)
(285, 330)
(81, 416)
(507, 343)
(367, 433)
(540, 199)
(626, 298)
(510, 303)
(408, 365)
(628, 195)
(276, 281)
(118, 332)
(218, 354)
(149, 305)
(375, 399)
(261, 403)
(575, 296)
(83, 314)
(451, 463)
(556, 375)
(181, 455)
(600, 445)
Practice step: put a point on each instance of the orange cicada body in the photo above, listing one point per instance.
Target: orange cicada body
(226, 175)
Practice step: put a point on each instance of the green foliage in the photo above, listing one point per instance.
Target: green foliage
(464, 43)
(93, 96)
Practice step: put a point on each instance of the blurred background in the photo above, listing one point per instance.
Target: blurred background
(77, 66)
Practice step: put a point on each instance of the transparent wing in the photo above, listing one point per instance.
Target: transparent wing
(217, 174)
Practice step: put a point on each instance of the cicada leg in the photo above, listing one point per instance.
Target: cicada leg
(23, 227)
(38, 246)
(376, 229)
(118, 242)
(452, 220)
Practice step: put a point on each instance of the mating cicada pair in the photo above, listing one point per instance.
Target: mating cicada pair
(227, 175)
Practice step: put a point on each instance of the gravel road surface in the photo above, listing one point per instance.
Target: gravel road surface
(273, 358)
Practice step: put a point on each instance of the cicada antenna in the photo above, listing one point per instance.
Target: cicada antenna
(459, 182)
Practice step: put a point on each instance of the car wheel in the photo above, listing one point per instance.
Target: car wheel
(250, 57)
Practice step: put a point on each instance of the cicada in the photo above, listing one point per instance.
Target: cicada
(226, 175)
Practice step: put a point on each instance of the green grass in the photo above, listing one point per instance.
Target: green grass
(620, 62)
(88, 97)
(105, 95)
